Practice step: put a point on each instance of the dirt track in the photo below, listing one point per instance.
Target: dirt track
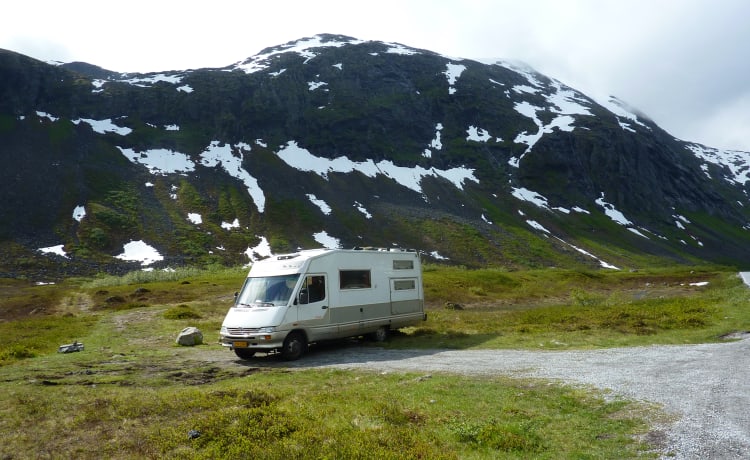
(706, 388)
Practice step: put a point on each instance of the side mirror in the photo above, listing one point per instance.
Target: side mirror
(303, 297)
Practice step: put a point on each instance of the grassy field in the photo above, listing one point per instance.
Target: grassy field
(133, 393)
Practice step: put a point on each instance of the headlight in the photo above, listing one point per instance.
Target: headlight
(267, 330)
(223, 330)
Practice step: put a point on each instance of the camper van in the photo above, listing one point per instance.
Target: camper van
(290, 301)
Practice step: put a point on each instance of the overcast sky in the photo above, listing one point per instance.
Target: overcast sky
(684, 63)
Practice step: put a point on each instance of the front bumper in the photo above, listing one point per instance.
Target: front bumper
(259, 341)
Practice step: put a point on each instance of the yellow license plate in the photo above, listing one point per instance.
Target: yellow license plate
(240, 344)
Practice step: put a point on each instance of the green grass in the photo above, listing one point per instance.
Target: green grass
(279, 414)
(133, 393)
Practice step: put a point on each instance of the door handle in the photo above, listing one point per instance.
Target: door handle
(324, 307)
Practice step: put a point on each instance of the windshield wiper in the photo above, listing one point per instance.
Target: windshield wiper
(256, 304)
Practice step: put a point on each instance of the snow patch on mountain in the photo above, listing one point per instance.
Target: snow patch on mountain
(104, 126)
(321, 204)
(452, 73)
(737, 162)
(57, 249)
(217, 154)
(624, 113)
(160, 161)
(79, 212)
(139, 251)
(409, 177)
(326, 240)
(304, 48)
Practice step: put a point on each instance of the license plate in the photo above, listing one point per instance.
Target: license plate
(240, 344)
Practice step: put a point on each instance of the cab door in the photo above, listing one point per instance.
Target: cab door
(313, 312)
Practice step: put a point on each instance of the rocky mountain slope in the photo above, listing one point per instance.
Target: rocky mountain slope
(334, 141)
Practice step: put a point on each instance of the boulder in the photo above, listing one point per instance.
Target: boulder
(190, 336)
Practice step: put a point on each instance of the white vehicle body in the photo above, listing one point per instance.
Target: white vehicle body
(291, 300)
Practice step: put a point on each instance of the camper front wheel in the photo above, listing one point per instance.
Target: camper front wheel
(294, 346)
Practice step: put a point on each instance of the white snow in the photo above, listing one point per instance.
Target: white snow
(172, 127)
(624, 113)
(321, 204)
(436, 142)
(79, 212)
(535, 198)
(160, 161)
(479, 135)
(452, 73)
(217, 154)
(437, 256)
(737, 162)
(195, 218)
(326, 240)
(262, 250)
(362, 209)
(54, 250)
(313, 85)
(561, 122)
(396, 48)
(536, 225)
(611, 212)
(46, 115)
(104, 126)
(586, 253)
(410, 177)
(228, 226)
(139, 251)
(566, 101)
(302, 47)
(152, 79)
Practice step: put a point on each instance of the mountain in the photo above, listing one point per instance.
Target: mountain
(334, 141)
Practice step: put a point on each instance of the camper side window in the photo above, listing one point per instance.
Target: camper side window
(403, 264)
(354, 279)
(313, 290)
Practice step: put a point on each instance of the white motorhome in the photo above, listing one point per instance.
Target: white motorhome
(289, 301)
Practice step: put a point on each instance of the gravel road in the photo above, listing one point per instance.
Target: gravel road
(704, 388)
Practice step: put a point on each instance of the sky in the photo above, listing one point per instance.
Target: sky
(683, 63)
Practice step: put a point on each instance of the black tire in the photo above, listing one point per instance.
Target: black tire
(295, 345)
(380, 335)
(244, 353)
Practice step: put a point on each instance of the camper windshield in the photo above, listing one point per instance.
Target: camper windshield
(275, 290)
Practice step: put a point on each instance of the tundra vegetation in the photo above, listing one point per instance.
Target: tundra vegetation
(133, 393)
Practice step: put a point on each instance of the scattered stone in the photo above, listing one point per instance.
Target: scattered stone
(194, 434)
(737, 335)
(453, 306)
(70, 347)
(190, 336)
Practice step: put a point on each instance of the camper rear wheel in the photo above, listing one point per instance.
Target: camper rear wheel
(244, 353)
(380, 335)
(295, 345)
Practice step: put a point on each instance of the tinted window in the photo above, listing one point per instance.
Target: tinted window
(404, 285)
(403, 264)
(354, 279)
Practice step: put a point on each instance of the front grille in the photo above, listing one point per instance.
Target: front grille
(242, 330)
